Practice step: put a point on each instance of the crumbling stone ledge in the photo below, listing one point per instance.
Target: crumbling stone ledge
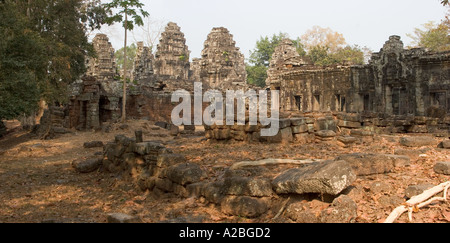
(345, 127)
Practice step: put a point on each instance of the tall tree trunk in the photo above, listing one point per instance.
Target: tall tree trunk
(124, 99)
(29, 9)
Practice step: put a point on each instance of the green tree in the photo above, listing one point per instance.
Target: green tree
(264, 49)
(125, 9)
(433, 36)
(256, 75)
(319, 55)
(325, 47)
(42, 50)
(262, 54)
(22, 70)
(131, 53)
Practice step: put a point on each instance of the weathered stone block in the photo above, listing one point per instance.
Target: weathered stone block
(417, 129)
(329, 177)
(342, 210)
(326, 134)
(213, 192)
(167, 160)
(239, 135)
(347, 139)
(349, 124)
(369, 164)
(87, 165)
(304, 138)
(93, 144)
(286, 135)
(445, 144)
(415, 190)
(351, 117)
(442, 168)
(247, 186)
(147, 148)
(361, 133)
(325, 123)
(298, 121)
(418, 141)
(251, 128)
(299, 129)
(284, 123)
(164, 184)
(222, 134)
(248, 207)
(185, 173)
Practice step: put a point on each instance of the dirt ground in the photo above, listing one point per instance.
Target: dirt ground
(38, 184)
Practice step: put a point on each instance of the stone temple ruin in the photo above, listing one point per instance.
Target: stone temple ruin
(399, 90)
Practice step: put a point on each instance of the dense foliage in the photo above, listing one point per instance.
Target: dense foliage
(42, 50)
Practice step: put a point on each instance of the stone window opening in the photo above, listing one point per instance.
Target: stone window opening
(316, 103)
(367, 104)
(340, 104)
(298, 102)
(439, 99)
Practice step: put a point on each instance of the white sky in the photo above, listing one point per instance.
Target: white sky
(362, 22)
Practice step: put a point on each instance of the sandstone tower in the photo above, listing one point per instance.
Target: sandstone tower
(284, 57)
(143, 64)
(172, 55)
(103, 67)
(222, 64)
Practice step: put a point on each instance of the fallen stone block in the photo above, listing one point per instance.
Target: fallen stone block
(298, 121)
(87, 165)
(415, 190)
(325, 123)
(286, 135)
(247, 186)
(147, 148)
(349, 124)
(326, 134)
(93, 144)
(370, 164)
(249, 207)
(342, 210)
(283, 123)
(347, 139)
(167, 160)
(162, 124)
(300, 129)
(418, 141)
(442, 168)
(185, 173)
(444, 144)
(329, 177)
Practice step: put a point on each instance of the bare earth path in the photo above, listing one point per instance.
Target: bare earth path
(38, 184)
